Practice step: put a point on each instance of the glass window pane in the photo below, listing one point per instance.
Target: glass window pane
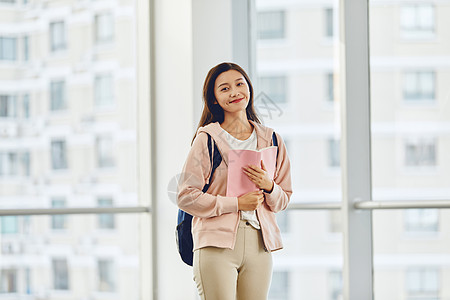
(8, 48)
(104, 28)
(57, 36)
(294, 88)
(82, 263)
(409, 139)
(271, 25)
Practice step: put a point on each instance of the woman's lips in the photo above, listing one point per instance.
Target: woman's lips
(237, 100)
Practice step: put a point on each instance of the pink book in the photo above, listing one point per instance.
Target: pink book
(238, 182)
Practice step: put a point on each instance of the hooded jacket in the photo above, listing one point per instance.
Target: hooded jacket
(216, 216)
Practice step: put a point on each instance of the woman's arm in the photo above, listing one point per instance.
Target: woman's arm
(195, 174)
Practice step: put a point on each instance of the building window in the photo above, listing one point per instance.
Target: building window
(330, 87)
(422, 283)
(335, 285)
(274, 87)
(104, 28)
(419, 86)
(58, 95)
(8, 106)
(334, 153)
(418, 20)
(105, 221)
(59, 154)
(59, 221)
(26, 48)
(8, 48)
(329, 23)
(104, 148)
(420, 153)
(9, 225)
(271, 25)
(57, 36)
(106, 273)
(279, 288)
(26, 106)
(421, 220)
(60, 274)
(103, 87)
(9, 164)
(8, 282)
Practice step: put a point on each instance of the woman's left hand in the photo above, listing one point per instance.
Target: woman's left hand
(259, 176)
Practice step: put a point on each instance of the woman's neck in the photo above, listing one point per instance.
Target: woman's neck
(237, 124)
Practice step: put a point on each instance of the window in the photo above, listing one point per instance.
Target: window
(422, 283)
(59, 155)
(329, 28)
(279, 288)
(420, 152)
(25, 161)
(106, 273)
(57, 36)
(26, 48)
(104, 90)
(421, 220)
(419, 86)
(9, 165)
(8, 48)
(8, 281)
(8, 106)
(274, 87)
(60, 274)
(105, 221)
(417, 20)
(104, 28)
(14, 163)
(271, 25)
(335, 285)
(330, 87)
(334, 158)
(104, 148)
(9, 225)
(58, 95)
(26, 106)
(59, 221)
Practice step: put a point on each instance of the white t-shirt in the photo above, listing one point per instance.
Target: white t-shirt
(248, 144)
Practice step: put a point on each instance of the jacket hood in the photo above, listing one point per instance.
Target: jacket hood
(263, 133)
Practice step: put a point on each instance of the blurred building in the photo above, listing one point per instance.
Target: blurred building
(68, 135)
(297, 68)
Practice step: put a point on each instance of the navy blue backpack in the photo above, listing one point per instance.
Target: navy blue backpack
(183, 231)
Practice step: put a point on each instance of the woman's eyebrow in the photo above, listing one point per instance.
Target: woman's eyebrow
(240, 78)
(222, 84)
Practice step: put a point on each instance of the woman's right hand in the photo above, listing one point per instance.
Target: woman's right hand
(251, 200)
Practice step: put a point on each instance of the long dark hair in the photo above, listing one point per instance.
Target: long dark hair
(213, 112)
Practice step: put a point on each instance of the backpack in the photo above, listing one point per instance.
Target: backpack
(184, 240)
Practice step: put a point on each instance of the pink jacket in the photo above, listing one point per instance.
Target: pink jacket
(215, 216)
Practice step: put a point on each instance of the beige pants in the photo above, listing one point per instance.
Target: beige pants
(243, 273)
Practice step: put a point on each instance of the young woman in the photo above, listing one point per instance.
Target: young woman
(233, 236)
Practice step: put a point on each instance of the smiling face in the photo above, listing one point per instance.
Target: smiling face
(232, 91)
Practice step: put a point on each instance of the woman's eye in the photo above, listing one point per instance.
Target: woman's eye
(224, 89)
(240, 83)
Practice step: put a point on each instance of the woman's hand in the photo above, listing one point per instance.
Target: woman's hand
(251, 200)
(260, 177)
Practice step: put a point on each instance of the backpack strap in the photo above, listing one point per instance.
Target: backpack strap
(215, 158)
